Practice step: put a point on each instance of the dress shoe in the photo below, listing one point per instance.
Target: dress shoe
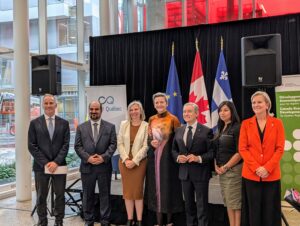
(42, 223)
(105, 224)
(139, 223)
(89, 224)
(58, 224)
(129, 223)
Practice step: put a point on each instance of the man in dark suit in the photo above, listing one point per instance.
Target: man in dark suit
(95, 143)
(192, 150)
(48, 143)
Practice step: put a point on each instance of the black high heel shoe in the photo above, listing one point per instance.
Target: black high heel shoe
(129, 223)
(139, 223)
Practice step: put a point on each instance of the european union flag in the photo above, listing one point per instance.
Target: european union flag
(221, 91)
(173, 92)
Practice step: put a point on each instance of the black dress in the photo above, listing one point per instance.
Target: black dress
(163, 191)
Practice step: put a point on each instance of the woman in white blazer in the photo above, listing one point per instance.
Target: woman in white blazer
(132, 145)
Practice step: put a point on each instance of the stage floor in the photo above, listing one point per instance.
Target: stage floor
(13, 213)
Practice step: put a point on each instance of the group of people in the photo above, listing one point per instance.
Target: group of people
(164, 165)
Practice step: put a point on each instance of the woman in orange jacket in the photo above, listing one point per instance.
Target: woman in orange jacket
(261, 145)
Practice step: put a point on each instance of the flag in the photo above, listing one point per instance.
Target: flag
(173, 92)
(198, 93)
(221, 90)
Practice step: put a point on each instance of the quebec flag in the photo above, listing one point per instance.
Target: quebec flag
(221, 90)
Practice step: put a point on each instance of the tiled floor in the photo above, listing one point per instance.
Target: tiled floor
(14, 213)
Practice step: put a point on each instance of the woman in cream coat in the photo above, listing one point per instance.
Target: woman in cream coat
(132, 145)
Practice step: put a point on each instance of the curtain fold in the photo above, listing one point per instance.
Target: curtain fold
(141, 60)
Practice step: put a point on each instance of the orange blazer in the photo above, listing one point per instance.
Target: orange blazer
(266, 154)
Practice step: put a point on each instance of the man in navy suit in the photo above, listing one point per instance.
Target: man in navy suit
(48, 143)
(95, 143)
(193, 152)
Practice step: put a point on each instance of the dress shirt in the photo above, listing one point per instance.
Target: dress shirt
(98, 125)
(194, 127)
(53, 121)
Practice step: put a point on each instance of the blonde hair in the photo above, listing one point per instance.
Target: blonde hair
(266, 98)
(160, 94)
(138, 103)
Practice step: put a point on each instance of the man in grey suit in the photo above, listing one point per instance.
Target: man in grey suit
(95, 143)
(48, 143)
(193, 152)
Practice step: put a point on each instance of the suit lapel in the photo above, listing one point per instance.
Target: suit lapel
(89, 130)
(269, 128)
(182, 144)
(44, 126)
(138, 135)
(102, 128)
(197, 132)
(254, 128)
(127, 137)
(56, 127)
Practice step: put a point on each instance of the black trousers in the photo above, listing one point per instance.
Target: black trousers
(196, 212)
(88, 199)
(42, 188)
(261, 203)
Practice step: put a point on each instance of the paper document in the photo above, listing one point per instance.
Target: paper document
(59, 170)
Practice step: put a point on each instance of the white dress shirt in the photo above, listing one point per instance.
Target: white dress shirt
(53, 121)
(98, 125)
(194, 127)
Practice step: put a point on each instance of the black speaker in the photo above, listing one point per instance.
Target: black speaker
(46, 75)
(261, 61)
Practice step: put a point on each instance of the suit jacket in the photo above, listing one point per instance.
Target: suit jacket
(139, 147)
(266, 154)
(105, 146)
(42, 148)
(201, 146)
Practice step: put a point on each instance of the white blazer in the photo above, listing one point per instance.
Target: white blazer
(139, 147)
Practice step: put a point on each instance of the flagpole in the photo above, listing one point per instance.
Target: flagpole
(222, 43)
(197, 49)
(173, 48)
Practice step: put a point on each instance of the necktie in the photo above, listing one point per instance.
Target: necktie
(95, 132)
(50, 127)
(189, 138)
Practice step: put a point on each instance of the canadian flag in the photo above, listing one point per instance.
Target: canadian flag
(198, 93)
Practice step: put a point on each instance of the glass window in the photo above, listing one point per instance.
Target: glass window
(6, 24)
(276, 7)
(223, 10)
(195, 12)
(33, 26)
(91, 23)
(174, 14)
(141, 15)
(62, 29)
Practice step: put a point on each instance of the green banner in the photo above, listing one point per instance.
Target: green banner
(288, 110)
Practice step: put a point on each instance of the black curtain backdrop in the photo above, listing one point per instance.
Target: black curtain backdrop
(142, 60)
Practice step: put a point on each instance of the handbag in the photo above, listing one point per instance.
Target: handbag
(292, 196)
